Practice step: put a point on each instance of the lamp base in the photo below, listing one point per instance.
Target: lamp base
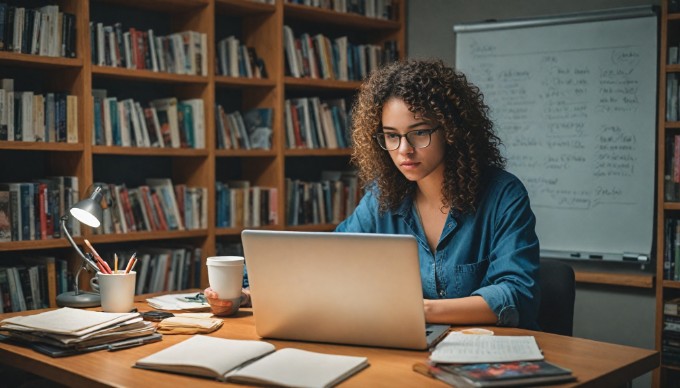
(82, 299)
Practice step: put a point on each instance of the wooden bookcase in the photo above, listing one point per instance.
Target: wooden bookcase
(666, 375)
(257, 24)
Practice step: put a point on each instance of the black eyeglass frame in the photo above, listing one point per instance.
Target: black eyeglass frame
(429, 131)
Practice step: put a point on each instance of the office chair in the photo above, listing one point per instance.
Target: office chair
(558, 291)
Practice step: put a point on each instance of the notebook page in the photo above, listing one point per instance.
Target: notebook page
(464, 348)
(299, 368)
(201, 352)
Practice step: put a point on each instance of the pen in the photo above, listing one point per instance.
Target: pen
(115, 263)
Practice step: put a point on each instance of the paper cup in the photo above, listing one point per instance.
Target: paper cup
(225, 275)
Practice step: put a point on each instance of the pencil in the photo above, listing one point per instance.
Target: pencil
(131, 262)
(99, 258)
(115, 263)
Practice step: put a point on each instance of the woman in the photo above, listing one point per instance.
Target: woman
(424, 143)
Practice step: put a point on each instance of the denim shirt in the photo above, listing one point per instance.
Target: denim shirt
(493, 252)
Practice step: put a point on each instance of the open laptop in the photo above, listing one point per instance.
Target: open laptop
(360, 289)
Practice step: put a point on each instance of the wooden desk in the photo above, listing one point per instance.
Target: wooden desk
(595, 364)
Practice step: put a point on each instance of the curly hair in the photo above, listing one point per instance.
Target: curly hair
(442, 96)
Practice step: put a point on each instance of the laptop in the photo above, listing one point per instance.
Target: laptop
(348, 288)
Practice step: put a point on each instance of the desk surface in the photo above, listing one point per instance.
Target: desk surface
(593, 363)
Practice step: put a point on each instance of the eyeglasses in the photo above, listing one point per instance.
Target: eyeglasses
(419, 138)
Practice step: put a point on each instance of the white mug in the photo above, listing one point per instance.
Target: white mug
(117, 290)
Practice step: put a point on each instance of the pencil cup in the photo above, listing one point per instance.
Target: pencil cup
(225, 274)
(117, 290)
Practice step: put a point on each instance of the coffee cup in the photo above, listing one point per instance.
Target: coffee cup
(225, 275)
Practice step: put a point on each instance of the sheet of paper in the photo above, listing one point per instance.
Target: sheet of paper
(176, 302)
(465, 348)
(66, 320)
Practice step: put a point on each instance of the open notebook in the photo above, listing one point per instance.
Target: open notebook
(351, 288)
(253, 362)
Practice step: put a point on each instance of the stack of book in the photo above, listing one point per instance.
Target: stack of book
(465, 360)
(68, 331)
(670, 344)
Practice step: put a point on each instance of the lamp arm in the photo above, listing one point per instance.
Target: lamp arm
(86, 259)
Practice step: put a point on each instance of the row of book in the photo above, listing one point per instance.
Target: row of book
(32, 210)
(330, 200)
(156, 206)
(38, 31)
(237, 60)
(312, 123)
(163, 268)
(164, 123)
(380, 9)
(672, 168)
(30, 116)
(671, 256)
(670, 342)
(239, 204)
(32, 283)
(320, 58)
(672, 100)
(183, 52)
(673, 55)
(247, 131)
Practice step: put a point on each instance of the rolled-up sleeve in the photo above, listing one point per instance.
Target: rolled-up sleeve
(510, 286)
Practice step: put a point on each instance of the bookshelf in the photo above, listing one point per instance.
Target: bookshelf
(255, 24)
(668, 208)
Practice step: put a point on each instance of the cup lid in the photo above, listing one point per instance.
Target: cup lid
(224, 260)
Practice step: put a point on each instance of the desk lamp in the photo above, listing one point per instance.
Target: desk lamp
(89, 212)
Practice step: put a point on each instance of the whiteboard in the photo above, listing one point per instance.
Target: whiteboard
(573, 100)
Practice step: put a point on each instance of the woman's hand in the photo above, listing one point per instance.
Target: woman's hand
(223, 307)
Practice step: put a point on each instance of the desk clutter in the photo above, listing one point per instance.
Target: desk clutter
(68, 331)
(477, 358)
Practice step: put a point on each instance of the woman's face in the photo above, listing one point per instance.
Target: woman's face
(416, 164)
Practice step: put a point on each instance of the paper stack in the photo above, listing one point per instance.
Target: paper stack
(74, 329)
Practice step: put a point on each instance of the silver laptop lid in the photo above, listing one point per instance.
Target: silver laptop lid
(361, 289)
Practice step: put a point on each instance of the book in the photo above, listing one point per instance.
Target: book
(506, 374)
(258, 124)
(232, 361)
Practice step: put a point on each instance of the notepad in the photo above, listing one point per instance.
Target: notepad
(253, 362)
(464, 348)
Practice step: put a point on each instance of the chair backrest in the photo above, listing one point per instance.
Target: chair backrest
(558, 291)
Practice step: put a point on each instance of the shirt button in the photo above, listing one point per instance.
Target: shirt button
(442, 293)
(450, 225)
